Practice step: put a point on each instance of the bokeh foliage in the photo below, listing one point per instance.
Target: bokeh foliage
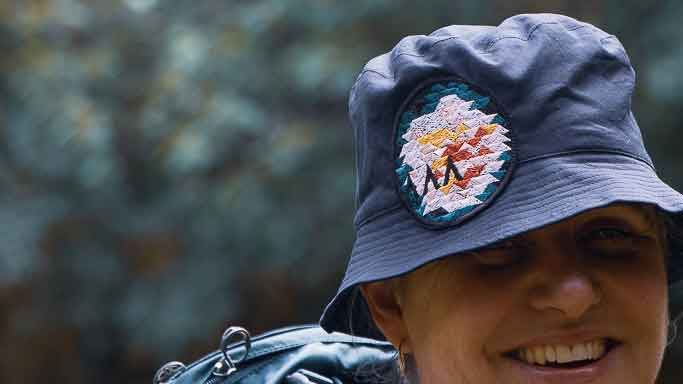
(169, 168)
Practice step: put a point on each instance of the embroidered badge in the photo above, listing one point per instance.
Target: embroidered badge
(453, 152)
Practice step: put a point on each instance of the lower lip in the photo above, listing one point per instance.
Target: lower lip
(591, 373)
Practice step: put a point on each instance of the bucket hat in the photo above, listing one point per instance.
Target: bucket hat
(475, 134)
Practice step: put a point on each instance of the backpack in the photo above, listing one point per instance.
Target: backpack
(294, 355)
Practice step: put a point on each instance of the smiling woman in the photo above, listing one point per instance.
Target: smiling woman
(585, 298)
(510, 225)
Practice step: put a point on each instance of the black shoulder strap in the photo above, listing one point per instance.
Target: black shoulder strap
(293, 352)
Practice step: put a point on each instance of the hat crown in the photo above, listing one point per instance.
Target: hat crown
(565, 87)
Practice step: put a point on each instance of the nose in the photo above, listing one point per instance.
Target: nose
(572, 295)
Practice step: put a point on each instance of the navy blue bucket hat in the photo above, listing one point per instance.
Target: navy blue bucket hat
(474, 134)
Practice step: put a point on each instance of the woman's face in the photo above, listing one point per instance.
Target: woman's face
(580, 301)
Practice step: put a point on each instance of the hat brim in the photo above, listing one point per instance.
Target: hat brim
(540, 192)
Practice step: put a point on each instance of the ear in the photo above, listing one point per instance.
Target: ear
(385, 307)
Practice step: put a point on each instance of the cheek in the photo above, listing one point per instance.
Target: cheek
(647, 303)
(641, 290)
(450, 326)
(450, 346)
(636, 299)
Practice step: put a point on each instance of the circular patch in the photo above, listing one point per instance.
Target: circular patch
(453, 152)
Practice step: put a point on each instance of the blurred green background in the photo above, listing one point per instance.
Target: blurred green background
(169, 168)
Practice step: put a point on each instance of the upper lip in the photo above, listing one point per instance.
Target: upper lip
(562, 337)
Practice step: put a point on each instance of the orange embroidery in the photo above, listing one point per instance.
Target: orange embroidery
(484, 151)
(452, 149)
(462, 155)
(480, 132)
(474, 141)
(469, 174)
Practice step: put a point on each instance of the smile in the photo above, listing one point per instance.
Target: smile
(558, 361)
(564, 356)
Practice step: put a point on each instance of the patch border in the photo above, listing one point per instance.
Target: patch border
(499, 108)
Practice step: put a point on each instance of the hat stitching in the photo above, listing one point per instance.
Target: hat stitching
(607, 38)
(529, 34)
(485, 50)
(393, 75)
(586, 150)
(381, 212)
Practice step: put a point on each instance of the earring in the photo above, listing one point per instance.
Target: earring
(401, 358)
(672, 329)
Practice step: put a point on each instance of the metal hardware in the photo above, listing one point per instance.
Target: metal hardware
(314, 377)
(227, 366)
(167, 371)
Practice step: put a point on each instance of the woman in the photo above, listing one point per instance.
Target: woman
(510, 224)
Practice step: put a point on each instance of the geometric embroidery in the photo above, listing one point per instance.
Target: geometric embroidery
(453, 152)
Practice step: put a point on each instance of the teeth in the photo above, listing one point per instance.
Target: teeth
(539, 354)
(550, 354)
(580, 352)
(564, 353)
(561, 353)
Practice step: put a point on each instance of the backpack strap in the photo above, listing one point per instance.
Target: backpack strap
(301, 353)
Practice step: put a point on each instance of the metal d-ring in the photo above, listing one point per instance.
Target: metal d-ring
(227, 366)
(169, 370)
